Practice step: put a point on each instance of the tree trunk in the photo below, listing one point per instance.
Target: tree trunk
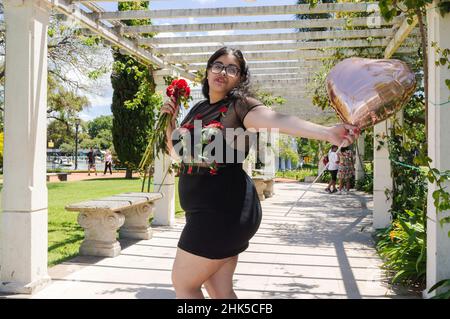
(129, 173)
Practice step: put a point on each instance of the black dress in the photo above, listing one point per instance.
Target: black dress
(222, 207)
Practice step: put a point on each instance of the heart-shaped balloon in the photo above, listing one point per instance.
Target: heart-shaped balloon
(365, 92)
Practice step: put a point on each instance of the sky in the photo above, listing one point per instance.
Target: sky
(101, 102)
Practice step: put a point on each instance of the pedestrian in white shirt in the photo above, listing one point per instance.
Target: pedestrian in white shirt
(333, 166)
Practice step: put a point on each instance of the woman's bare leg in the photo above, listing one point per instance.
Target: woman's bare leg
(341, 183)
(220, 284)
(191, 271)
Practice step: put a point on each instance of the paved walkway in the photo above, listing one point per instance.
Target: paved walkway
(84, 176)
(323, 249)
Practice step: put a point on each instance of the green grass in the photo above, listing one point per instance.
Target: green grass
(299, 174)
(64, 233)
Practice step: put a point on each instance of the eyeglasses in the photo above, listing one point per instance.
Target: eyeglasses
(230, 69)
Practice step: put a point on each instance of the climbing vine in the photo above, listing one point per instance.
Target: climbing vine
(403, 243)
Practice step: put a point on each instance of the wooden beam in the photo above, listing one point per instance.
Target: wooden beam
(111, 35)
(278, 46)
(283, 56)
(260, 71)
(399, 37)
(298, 36)
(311, 64)
(279, 76)
(265, 25)
(239, 11)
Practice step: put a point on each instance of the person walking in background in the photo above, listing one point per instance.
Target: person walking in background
(91, 162)
(346, 169)
(108, 162)
(333, 165)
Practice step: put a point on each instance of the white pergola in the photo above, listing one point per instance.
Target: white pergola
(279, 57)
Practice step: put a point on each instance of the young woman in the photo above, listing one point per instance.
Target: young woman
(221, 204)
(346, 169)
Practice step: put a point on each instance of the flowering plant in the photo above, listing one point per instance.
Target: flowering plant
(179, 89)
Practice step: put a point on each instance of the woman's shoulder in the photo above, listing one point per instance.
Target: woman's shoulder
(244, 105)
(249, 102)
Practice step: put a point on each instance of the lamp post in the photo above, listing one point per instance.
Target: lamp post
(50, 146)
(77, 124)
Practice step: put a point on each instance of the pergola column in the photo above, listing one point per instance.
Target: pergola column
(382, 178)
(163, 181)
(438, 242)
(24, 195)
(267, 152)
(359, 158)
(249, 163)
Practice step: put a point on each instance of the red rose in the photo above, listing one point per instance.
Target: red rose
(170, 91)
(214, 124)
(181, 91)
(187, 92)
(223, 109)
(188, 126)
(181, 84)
(213, 171)
(189, 170)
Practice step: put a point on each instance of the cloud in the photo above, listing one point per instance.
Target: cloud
(100, 104)
(100, 100)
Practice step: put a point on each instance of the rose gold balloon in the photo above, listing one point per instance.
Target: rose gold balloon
(365, 92)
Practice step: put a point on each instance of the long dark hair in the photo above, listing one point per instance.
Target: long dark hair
(243, 89)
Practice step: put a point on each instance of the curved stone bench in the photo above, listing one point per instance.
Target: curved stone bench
(54, 177)
(101, 218)
(264, 186)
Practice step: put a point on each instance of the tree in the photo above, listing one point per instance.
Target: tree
(104, 139)
(75, 62)
(134, 103)
(60, 133)
(268, 99)
(99, 124)
(87, 143)
(62, 104)
(67, 148)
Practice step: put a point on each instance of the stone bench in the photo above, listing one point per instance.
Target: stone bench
(101, 218)
(54, 177)
(310, 179)
(264, 186)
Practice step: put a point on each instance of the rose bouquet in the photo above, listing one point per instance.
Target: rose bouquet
(179, 89)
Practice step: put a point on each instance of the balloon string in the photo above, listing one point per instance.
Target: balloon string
(416, 168)
(309, 187)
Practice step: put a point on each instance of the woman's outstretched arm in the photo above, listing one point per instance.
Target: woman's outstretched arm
(264, 118)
